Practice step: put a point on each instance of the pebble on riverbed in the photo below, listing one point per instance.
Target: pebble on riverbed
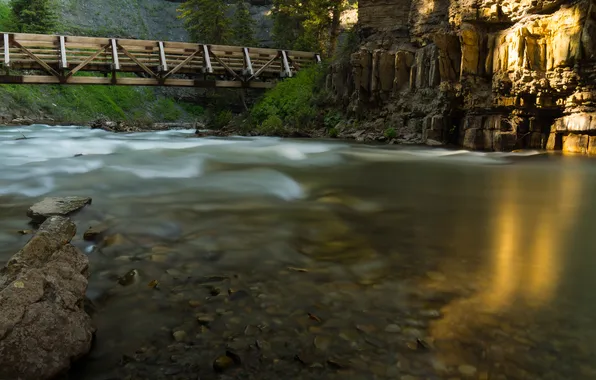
(467, 370)
(179, 335)
(393, 328)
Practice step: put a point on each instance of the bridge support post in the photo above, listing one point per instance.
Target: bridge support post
(248, 71)
(115, 60)
(207, 68)
(63, 62)
(6, 39)
(163, 64)
(287, 72)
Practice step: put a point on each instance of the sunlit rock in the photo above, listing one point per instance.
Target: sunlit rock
(453, 60)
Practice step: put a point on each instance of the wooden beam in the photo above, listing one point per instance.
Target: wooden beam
(63, 61)
(86, 61)
(225, 66)
(45, 79)
(181, 64)
(247, 63)
(6, 50)
(115, 59)
(259, 71)
(162, 58)
(47, 67)
(286, 64)
(49, 40)
(207, 60)
(135, 60)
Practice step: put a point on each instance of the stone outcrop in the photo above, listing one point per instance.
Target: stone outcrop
(54, 206)
(43, 326)
(483, 74)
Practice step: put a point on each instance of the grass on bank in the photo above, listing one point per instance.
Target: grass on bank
(81, 104)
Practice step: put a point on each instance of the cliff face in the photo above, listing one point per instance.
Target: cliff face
(485, 74)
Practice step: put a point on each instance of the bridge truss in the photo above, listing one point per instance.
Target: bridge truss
(49, 59)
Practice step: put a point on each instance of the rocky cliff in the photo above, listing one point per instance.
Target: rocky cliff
(484, 74)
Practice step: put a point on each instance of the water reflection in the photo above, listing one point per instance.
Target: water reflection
(542, 239)
(527, 248)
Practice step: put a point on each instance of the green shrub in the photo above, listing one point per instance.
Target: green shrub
(331, 119)
(333, 133)
(194, 110)
(273, 125)
(165, 109)
(292, 99)
(390, 133)
(222, 119)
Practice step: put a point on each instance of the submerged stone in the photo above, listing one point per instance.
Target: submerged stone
(222, 363)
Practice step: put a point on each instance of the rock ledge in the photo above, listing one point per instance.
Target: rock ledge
(63, 206)
(43, 326)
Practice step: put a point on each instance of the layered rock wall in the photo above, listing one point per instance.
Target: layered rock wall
(485, 74)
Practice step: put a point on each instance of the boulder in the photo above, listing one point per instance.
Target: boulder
(51, 206)
(574, 143)
(43, 325)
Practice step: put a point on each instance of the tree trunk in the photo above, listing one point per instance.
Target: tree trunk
(334, 28)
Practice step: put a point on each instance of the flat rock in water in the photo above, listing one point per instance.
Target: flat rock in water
(43, 324)
(52, 206)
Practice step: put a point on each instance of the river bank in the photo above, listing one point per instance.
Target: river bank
(272, 258)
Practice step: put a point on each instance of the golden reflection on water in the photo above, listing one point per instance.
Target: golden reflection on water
(526, 241)
(527, 256)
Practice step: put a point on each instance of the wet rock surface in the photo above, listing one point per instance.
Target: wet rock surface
(56, 206)
(43, 327)
(129, 127)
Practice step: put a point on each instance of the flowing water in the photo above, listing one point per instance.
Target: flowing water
(319, 259)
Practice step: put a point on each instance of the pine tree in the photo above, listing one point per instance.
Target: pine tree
(206, 20)
(34, 16)
(243, 25)
(307, 25)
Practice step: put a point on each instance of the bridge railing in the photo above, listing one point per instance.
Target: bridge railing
(157, 62)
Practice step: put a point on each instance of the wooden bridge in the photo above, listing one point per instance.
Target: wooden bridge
(48, 59)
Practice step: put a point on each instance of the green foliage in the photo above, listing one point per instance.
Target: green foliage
(193, 110)
(273, 125)
(165, 109)
(34, 16)
(331, 119)
(5, 24)
(291, 100)
(307, 25)
(243, 26)
(222, 119)
(206, 20)
(333, 133)
(390, 133)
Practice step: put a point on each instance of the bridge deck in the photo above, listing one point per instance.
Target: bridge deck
(48, 59)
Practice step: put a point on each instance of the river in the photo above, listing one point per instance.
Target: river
(319, 259)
